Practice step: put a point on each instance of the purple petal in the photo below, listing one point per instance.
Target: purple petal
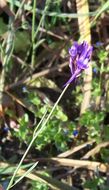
(89, 52)
(83, 63)
(82, 47)
(71, 65)
(85, 55)
(73, 55)
(73, 50)
(84, 50)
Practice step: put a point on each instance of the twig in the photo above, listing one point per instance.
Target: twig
(42, 73)
(91, 165)
(95, 150)
(84, 28)
(53, 34)
(75, 149)
(6, 9)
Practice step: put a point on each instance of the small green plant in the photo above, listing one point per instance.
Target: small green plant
(95, 183)
(36, 185)
(54, 131)
(93, 121)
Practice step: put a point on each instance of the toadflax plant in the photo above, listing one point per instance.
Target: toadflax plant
(80, 55)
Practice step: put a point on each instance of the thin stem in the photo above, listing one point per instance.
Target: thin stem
(21, 5)
(39, 123)
(43, 15)
(33, 32)
(35, 136)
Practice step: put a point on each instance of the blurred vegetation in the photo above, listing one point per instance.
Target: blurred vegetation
(34, 40)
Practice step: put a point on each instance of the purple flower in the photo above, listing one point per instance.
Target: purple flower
(80, 55)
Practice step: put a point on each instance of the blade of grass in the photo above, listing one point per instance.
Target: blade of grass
(6, 169)
(62, 15)
(95, 14)
(25, 174)
(101, 10)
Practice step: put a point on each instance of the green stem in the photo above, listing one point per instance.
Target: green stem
(35, 136)
(43, 15)
(33, 31)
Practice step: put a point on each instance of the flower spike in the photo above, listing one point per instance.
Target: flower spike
(80, 55)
